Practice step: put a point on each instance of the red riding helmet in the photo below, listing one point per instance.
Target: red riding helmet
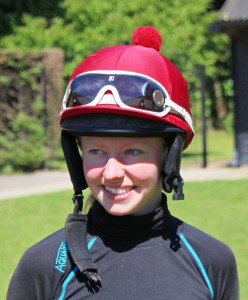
(150, 94)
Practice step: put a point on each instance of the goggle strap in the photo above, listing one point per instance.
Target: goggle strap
(179, 110)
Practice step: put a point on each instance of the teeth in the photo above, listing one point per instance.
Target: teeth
(119, 191)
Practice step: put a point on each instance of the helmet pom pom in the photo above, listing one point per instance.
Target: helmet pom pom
(147, 36)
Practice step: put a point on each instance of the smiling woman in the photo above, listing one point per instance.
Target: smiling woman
(124, 174)
(128, 246)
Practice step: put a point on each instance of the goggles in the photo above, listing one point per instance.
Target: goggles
(130, 91)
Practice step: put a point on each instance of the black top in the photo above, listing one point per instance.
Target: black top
(154, 257)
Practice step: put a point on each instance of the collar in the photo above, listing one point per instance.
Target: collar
(145, 226)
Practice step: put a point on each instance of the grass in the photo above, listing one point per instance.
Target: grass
(25, 221)
(219, 208)
(219, 144)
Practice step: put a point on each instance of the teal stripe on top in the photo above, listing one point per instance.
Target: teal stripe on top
(73, 272)
(198, 261)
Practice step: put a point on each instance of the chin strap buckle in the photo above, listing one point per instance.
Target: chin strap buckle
(77, 199)
(93, 276)
(177, 186)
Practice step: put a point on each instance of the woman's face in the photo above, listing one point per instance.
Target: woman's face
(123, 173)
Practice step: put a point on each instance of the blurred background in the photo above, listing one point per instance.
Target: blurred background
(41, 42)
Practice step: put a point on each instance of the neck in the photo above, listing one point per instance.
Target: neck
(153, 223)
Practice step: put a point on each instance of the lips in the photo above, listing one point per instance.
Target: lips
(118, 191)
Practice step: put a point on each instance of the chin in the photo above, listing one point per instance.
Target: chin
(118, 211)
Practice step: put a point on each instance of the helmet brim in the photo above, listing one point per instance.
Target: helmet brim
(106, 124)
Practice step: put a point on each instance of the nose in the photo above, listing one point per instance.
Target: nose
(113, 169)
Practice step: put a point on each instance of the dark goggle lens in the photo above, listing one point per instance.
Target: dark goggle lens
(134, 91)
(85, 88)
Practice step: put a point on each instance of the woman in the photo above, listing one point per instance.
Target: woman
(128, 109)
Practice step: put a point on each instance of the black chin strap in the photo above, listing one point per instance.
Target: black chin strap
(76, 232)
(76, 223)
(172, 178)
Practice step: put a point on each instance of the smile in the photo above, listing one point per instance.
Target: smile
(119, 191)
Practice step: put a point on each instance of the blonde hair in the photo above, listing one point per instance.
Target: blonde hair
(88, 203)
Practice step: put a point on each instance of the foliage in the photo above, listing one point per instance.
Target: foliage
(79, 27)
(22, 136)
(23, 148)
(11, 11)
(31, 93)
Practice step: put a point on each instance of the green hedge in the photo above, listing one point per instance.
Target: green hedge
(29, 136)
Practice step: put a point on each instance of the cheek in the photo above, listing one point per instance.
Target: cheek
(146, 172)
(91, 172)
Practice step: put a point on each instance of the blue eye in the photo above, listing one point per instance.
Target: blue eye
(133, 151)
(96, 151)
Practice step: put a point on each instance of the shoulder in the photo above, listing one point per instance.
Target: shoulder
(48, 243)
(215, 260)
(194, 241)
(42, 255)
(46, 261)
(205, 244)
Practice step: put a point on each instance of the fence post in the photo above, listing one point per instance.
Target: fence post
(203, 115)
